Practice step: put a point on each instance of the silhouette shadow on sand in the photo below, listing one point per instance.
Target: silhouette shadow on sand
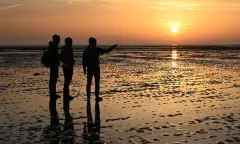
(91, 131)
(57, 132)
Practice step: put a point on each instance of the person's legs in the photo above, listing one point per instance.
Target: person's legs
(66, 97)
(53, 80)
(89, 82)
(52, 105)
(68, 72)
(52, 89)
(97, 83)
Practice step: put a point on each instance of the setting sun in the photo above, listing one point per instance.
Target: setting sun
(174, 26)
(174, 29)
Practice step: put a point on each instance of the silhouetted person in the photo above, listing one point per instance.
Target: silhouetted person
(67, 65)
(54, 63)
(91, 65)
(91, 131)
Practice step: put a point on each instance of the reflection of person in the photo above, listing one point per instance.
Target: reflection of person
(54, 133)
(68, 129)
(91, 65)
(91, 131)
(51, 133)
(68, 62)
(54, 121)
(54, 63)
(68, 123)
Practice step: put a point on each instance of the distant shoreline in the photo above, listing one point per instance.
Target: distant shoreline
(129, 47)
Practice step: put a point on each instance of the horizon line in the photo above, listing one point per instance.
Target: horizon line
(13, 45)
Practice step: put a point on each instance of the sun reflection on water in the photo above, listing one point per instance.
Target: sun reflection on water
(174, 64)
(174, 54)
(174, 57)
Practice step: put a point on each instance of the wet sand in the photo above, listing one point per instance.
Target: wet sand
(148, 97)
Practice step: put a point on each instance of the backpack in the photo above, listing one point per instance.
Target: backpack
(46, 59)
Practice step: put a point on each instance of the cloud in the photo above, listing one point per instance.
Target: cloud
(109, 7)
(168, 8)
(10, 7)
(200, 6)
(175, 5)
(73, 1)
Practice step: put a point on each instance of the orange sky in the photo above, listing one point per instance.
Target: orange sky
(120, 21)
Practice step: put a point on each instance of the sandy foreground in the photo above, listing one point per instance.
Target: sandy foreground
(149, 97)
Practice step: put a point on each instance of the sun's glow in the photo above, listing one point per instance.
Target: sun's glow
(174, 29)
(174, 26)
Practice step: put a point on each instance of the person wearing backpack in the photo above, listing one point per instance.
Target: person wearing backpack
(91, 64)
(53, 61)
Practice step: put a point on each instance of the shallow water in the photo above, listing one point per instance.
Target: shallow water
(149, 97)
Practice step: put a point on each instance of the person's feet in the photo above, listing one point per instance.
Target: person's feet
(98, 99)
(68, 117)
(70, 98)
(57, 96)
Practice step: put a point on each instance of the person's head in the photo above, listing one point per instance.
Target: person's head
(56, 39)
(92, 41)
(68, 41)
